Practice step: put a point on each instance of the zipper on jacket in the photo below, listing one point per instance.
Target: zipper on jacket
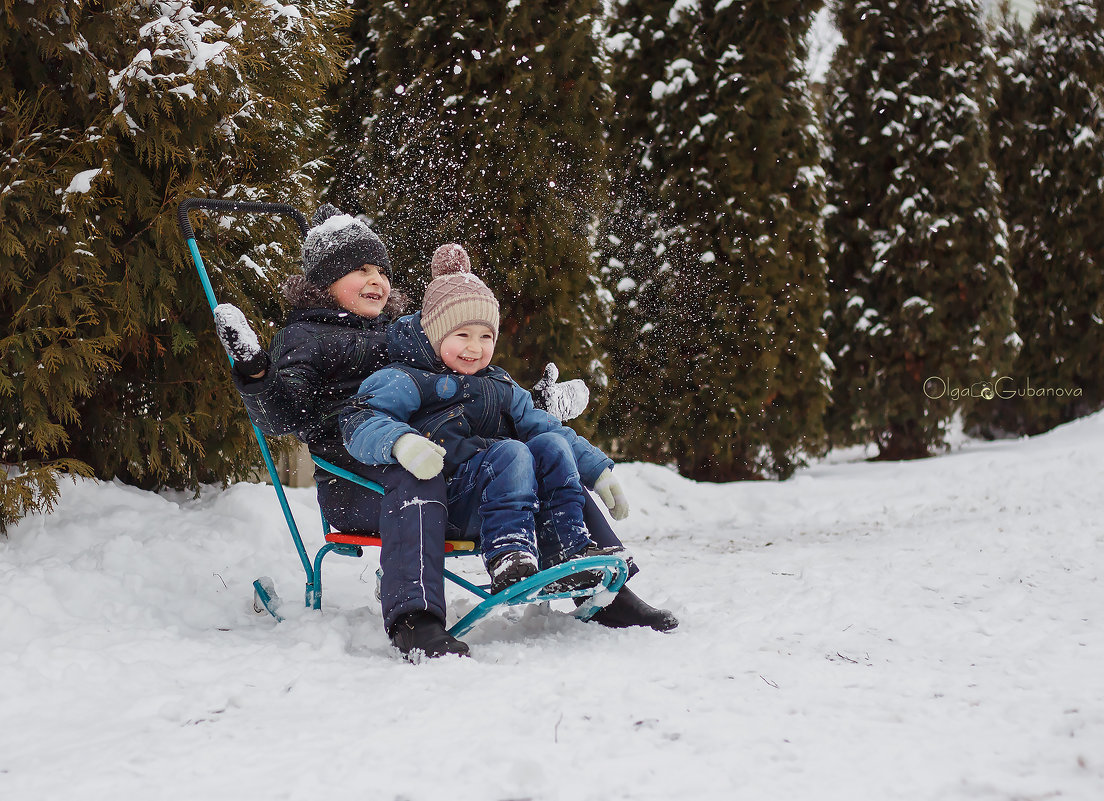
(435, 424)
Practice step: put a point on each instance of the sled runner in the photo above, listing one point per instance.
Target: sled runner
(612, 569)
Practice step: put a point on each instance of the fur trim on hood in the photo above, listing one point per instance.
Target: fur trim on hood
(302, 294)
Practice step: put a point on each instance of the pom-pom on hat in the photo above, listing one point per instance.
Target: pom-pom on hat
(455, 297)
(339, 243)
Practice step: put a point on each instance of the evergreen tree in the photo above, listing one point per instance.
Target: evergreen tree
(348, 173)
(921, 291)
(1049, 148)
(485, 128)
(730, 381)
(110, 115)
(641, 42)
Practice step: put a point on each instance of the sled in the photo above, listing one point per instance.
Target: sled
(613, 570)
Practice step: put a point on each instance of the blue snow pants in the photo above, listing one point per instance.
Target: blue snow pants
(520, 496)
(410, 519)
(411, 522)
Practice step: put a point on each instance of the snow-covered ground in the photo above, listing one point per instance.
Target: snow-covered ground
(925, 630)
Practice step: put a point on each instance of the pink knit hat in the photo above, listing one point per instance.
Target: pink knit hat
(455, 297)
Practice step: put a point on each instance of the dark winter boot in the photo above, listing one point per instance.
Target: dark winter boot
(418, 634)
(510, 568)
(586, 579)
(627, 609)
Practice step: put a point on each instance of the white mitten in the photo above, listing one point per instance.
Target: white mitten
(424, 459)
(609, 490)
(240, 341)
(565, 400)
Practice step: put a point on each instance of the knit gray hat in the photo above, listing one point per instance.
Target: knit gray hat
(339, 243)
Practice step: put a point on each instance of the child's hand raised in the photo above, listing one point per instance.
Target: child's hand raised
(423, 458)
(566, 400)
(240, 341)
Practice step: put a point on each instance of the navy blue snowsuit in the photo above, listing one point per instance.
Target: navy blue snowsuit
(319, 359)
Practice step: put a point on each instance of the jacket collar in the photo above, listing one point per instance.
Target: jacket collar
(407, 343)
(337, 317)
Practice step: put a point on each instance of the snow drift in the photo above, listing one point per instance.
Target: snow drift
(923, 630)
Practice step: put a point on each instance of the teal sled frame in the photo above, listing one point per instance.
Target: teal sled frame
(613, 570)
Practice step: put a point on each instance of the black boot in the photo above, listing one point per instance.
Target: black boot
(420, 633)
(586, 579)
(510, 568)
(627, 609)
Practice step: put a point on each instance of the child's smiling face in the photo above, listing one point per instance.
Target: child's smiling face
(363, 291)
(468, 349)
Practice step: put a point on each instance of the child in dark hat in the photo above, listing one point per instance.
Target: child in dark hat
(336, 336)
(515, 474)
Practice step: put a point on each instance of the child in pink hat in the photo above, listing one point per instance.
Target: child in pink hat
(516, 476)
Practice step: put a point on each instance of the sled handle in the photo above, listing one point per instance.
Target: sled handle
(219, 204)
(248, 206)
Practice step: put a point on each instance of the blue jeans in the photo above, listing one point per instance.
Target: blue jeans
(521, 496)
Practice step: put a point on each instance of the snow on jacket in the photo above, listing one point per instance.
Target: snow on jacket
(319, 360)
(465, 414)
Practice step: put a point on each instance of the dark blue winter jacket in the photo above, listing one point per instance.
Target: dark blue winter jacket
(465, 414)
(319, 360)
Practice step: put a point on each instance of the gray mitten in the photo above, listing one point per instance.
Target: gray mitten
(566, 400)
(239, 340)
